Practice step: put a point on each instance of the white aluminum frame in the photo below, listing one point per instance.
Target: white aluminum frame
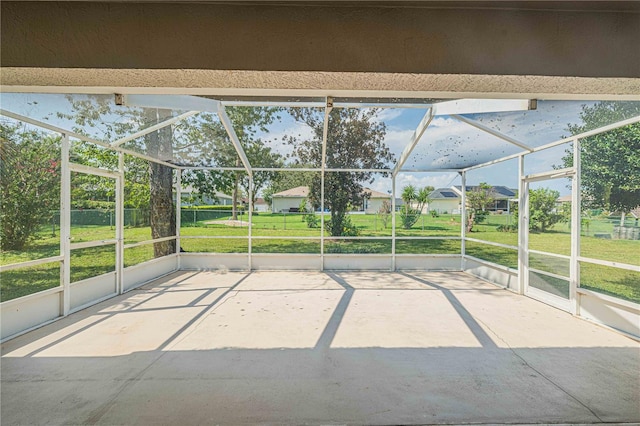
(453, 108)
(569, 303)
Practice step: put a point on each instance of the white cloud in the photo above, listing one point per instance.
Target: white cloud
(397, 140)
(420, 180)
(389, 114)
(381, 185)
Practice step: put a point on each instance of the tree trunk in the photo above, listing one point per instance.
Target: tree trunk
(236, 182)
(162, 211)
(622, 217)
(336, 223)
(472, 217)
(234, 211)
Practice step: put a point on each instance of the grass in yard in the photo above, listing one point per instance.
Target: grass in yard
(95, 261)
(501, 256)
(215, 245)
(286, 246)
(24, 281)
(427, 246)
(612, 281)
(358, 246)
(135, 255)
(91, 262)
(550, 264)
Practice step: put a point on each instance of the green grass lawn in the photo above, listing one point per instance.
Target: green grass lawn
(86, 263)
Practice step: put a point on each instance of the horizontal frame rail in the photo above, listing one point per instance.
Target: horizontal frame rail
(89, 244)
(409, 237)
(32, 296)
(492, 264)
(81, 168)
(544, 253)
(549, 274)
(30, 263)
(610, 299)
(146, 242)
(491, 243)
(626, 266)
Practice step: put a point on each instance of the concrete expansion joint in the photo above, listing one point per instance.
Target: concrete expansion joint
(526, 364)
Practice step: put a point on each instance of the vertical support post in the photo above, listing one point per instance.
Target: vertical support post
(120, 225)
(393, 222)
(178, 214)
(574, 271)
(323, 161)
(523, 228)
(463, 219)
(65, 226)
(250, 215)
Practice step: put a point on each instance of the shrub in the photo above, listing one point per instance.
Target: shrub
(312, 220)
(384, 213)
(29, 183)
(542, 209)
(507, 228)
(348, 228)
(409, 216)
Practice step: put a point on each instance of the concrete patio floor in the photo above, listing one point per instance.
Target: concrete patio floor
(320, 348)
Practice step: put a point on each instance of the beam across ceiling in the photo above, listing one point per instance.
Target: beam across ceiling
(493, 132)
(413, 141)
(153, 128)
(226, 122)
(480, 106)
(173, 102)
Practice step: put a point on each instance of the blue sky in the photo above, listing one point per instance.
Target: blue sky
(447, 138)
(447, 143)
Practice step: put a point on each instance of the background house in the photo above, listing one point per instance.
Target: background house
(191, 197)
(290, 200)
(445, 200)
(373, 200)
(259, 205)
(448, 200)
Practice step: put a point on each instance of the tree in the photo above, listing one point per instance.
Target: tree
(384, 213)
(610, 166)
(260, 155)
(162, 215)
(409, 214)
(191, 141)
(479, 199)
(113, 123)
(213, 143)
(30, 183)
(543, 209)
(355, 141)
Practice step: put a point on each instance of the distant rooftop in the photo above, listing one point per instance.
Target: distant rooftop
(501, 191)
(303, 191)
(298, 191)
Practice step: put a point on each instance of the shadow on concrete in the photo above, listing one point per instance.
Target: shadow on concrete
(44, 382)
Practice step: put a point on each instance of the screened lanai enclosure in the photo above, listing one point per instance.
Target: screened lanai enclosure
(103, 193)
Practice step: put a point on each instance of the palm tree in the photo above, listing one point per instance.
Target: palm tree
(408, 195)
(423, 197)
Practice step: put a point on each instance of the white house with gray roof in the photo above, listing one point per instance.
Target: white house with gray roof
(289, 200)
(448, 200)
